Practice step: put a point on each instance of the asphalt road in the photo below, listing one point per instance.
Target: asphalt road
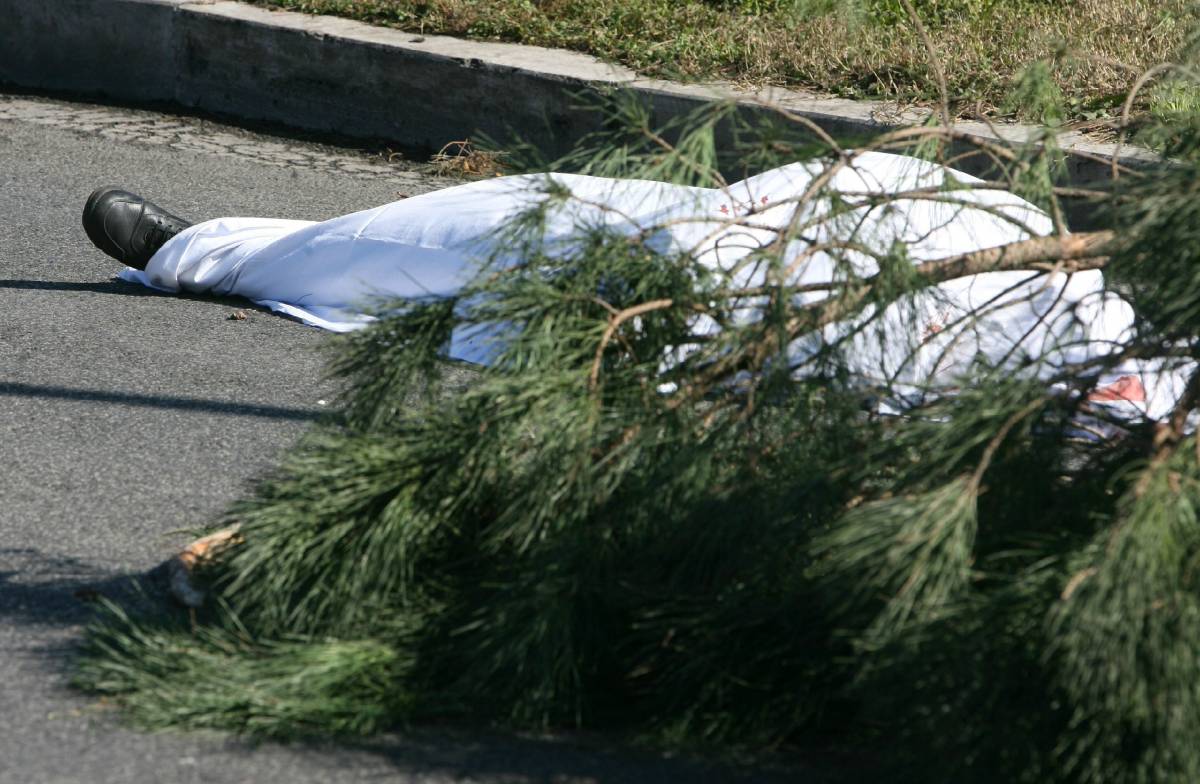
(126, 416)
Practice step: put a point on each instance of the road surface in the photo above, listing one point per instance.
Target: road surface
(128, 417)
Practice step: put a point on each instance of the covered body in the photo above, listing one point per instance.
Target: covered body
(328, 273)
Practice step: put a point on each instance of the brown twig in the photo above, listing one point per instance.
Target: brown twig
(935, 64)
(614, 323)
(1127, 107)
(993, 446)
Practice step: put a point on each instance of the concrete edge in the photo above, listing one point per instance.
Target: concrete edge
(328, 74)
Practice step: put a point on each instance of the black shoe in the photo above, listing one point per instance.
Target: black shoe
(128, 227)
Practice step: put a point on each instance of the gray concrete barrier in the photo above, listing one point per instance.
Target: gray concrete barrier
(334, 75)
(120, 48)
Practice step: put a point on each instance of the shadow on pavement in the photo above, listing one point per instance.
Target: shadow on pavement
(15, 389)
(114, 286)
(46, 590)
(472, 754)
(127, 289)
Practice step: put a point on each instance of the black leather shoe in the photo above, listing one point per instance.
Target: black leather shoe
(128, 227)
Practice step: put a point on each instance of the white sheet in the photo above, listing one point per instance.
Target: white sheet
(327, 273)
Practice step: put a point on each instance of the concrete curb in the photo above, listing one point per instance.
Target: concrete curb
(333, 75)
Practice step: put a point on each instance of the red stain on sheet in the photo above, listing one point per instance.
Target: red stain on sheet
(1124, 388)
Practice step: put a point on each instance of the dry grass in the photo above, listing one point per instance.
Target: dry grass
(464, 159)
(1098, 46)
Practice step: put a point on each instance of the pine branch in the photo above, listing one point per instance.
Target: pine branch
(1058, 253)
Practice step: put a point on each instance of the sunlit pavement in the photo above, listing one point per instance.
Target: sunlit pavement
(127, 417)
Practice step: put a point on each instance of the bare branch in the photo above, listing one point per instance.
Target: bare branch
(1069, 253)
(614, 323)
(1087, 251)
(935, 64)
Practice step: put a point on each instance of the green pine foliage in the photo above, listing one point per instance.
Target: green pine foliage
(717, 548)
(348, 686)
(1125, 636)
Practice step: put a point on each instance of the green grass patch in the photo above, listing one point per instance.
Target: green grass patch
(851, 48)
